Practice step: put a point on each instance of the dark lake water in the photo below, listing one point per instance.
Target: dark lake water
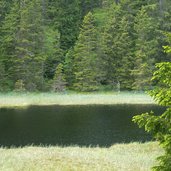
(95, 125)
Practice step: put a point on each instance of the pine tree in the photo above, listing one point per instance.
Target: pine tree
(117, 49)
(53, 52)
(146, 49)
(23, 43)
(66, 18)
(126, 55)
(164, 20)
(59, 82)
(8, 31)
(85, 56)
(30, 45)
(5, 82)
(4, 9)
(69, 68)
(38, 35)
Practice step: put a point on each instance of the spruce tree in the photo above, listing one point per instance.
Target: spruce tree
(65, 16)
(69, 68)
(30, 45)
(5, 82)
(53, 52)
(146, 49)
(117, 49)
(4, 9)
(23, 43)
(8, 34)
(85, 56)
(37, 35)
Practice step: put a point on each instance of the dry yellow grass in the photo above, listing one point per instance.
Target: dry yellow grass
(119, 157)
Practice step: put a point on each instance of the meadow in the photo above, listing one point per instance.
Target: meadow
(119, 157)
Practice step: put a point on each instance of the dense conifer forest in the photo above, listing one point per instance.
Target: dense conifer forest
(82, 45)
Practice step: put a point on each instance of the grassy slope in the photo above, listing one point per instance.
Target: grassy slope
(13, 99)
(119, 157)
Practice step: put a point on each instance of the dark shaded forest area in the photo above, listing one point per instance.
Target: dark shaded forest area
(82, 45)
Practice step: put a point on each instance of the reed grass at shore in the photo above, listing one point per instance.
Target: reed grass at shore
(26, 99)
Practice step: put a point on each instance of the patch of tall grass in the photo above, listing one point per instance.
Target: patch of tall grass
(119, 157)
(26, 99)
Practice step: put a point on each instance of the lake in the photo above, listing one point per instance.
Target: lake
(94, 125)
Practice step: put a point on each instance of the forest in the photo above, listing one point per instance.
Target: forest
(82, 45)
(117, 49)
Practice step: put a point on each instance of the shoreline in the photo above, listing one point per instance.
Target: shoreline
(44, 99)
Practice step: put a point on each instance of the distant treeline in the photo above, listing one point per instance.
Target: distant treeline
(82, 45)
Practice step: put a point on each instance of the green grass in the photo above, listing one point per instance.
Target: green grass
(26, 99)
(119, 157)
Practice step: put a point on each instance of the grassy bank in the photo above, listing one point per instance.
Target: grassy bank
(26, 99)
(119, 157)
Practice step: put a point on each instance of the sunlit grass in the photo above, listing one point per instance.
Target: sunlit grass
(119, 157)
(26, 99)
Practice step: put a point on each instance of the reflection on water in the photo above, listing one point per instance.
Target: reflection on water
(101, 125)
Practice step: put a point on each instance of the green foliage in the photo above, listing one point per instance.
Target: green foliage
(66, 17)
(59, 82)
(19, 86)
(69, 68)
(89, 5)
(29, 46)
(117, 49)
(118, 45)
(22, 43)
(7, 40)
(53, 52)
(85, 56)
(146, 48)
(160, 126)
(165, 15)
(4, 82)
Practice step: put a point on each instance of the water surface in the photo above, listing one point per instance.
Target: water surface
(95, 125)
